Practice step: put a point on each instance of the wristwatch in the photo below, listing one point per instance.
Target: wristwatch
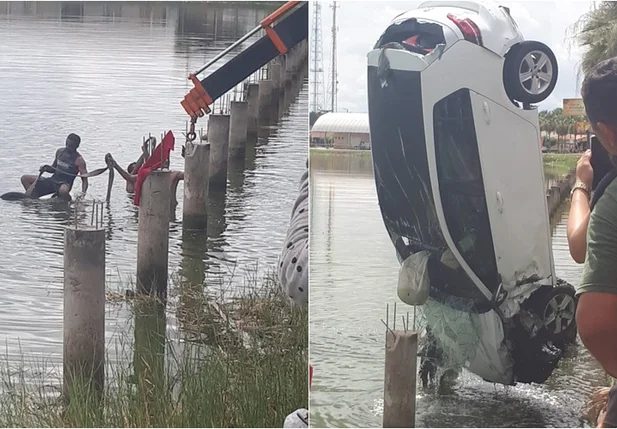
(580, 185)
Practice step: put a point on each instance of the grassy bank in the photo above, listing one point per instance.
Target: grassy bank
(241, 363)
(560, 164)
(556, 165)
(340, 152)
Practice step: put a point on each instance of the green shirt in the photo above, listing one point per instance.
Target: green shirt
(600, 270)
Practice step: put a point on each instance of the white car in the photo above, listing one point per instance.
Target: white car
(458, 168)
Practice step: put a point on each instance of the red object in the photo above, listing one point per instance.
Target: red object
(158, 157)
(310, 375)
(470, 30)
(413, 41)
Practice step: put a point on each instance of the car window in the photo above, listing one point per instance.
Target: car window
(461, 185)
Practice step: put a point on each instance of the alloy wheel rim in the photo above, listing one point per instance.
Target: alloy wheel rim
(535, 72)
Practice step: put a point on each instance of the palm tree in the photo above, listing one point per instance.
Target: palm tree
(596, 32)
(549, 120)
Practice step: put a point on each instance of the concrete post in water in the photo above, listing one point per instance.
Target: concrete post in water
(275, 76)
(265, 97)
(304, 51)
(196, 185)
(238, 128)
(294, 61)
(285, 69)
(218, 135)
(275, 73)
(153, 234)
(282, 74)
(252, 99)
(399, 404)
(84, 308)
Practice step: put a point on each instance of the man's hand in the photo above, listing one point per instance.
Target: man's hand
(46, 169)
(80, 162)
(584, 171)
(109, 160)
(145, 148)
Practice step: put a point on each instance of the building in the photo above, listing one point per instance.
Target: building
(341, 131)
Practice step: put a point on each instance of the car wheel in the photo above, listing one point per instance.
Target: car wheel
(558, 314)
(530, 72)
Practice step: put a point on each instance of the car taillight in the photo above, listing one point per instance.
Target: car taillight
(470, 30)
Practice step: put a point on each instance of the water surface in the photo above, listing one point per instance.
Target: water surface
(354, 274)
(113, 73)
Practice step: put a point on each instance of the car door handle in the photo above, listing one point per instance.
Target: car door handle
(499, 203)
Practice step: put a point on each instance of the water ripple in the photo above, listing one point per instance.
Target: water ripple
(354, 274)
(113, 81)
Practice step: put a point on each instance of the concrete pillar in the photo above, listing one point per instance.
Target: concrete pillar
(84, 309)
(304, 60)
(399, 404)
(298, 58)
(252, 99)
(238, 128)
(265, 97)
(285, 69)
(153, 234)
(196, 186)
(294, 61)
(218, 136)
(305, 51)
(275, 75)
(282, 72)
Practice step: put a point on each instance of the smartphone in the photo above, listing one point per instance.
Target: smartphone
(600, 161)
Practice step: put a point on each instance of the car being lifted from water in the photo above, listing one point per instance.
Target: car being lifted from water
(458, 168)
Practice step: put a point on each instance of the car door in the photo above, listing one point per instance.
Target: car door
(512, 166)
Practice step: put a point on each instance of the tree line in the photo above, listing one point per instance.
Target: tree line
(556, 126)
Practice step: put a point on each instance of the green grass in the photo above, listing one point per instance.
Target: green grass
(243, 363)
(556, 165)
(340, 152)
(559, 164)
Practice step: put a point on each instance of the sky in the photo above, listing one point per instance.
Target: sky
(360, 23)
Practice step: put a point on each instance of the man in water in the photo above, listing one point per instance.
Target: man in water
(67, 165)
(131, 177)
(132, 168)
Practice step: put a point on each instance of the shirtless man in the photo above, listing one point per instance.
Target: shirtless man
(67, 165)
(131, 177)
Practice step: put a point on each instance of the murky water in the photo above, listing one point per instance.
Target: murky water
(354, 274)
(114, 72)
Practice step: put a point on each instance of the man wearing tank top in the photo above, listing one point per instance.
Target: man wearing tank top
(68, 164)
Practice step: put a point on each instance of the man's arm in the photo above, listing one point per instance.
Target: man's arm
(81, 166)
(596, 315)
(46, 168)
(143, 157)
(140, 161)
(131, 178)
(55, 163)
(578, 219)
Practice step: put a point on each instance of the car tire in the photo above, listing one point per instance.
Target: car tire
(557, 310)
(530, 72)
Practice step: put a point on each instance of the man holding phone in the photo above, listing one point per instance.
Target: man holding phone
(592, 230)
